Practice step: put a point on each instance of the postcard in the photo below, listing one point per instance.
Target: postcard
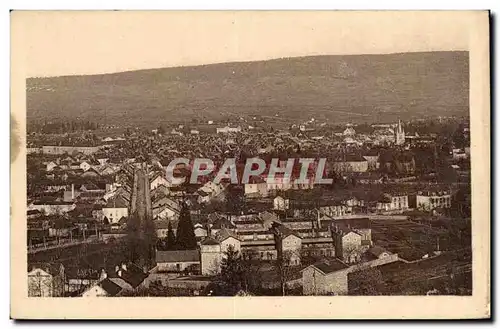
(250, 165)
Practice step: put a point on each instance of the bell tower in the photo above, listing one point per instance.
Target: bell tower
(399, 137)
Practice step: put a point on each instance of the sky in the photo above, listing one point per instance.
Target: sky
(58, 43)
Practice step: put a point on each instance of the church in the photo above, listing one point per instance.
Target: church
(399, 134)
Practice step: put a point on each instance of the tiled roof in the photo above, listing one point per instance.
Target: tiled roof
(330, 266)
(133, 275)
(209, 241)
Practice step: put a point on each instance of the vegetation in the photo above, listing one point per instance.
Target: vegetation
(232, 273)
(368, 282)
(186, 239)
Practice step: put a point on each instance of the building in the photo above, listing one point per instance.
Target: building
(104, 288)
(288, 244)
(350, 163)
(348, 244)
(459, 154)
(46, 280)
(372, 158)
(431, 200)
(115, 209)
(349, 131)
(333, 211)
(52, 207)
(166, 208)
(69, 149)
(325, 278)
(256, 187)
(399, 134)
(227, 129)
(280, 203)
(211, 256)
(228, 239)
(178, 261)
(392, 202)
(161, 227)
(158, 180)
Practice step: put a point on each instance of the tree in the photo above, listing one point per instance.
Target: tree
(284, 267)
(368, 282)
(186, 239)
(170, 238)
(231, 278)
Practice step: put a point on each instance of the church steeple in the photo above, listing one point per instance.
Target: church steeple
(400, 134)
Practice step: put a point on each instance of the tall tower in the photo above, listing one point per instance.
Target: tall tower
(399, 137)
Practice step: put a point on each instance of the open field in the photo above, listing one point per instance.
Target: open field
(412, 240)
(450, 273)
(95, 256)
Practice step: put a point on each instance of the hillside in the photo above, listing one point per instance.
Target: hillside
(362, 88)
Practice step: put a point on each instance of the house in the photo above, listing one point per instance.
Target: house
(227, 129)
(459, 154)
(32, 214)
(392, 202)
(349, 131)
(209, 191)
(211, 256)
(161, 227)
(348, 243)
(90, 173)
(228, 238)
(52, 207)
(115, 209)
(46, 280)
(280, 203)
(104, 288)
(50, 166)
(429, 200)
(376, 252)
(288, 243)
(129, 277)
(178, 261)
(256, 187)
(372, 157)
(350, 163)
(332, 211)
(328, 277)
(157, 180)
(80, 279)
(200, 231)
(106, 170)
(166, 208)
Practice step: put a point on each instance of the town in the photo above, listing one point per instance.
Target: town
(105, 218)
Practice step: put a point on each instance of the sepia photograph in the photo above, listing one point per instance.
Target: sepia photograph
(259, 158)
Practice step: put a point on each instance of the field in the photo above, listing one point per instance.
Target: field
(95, 255)
(411, 240)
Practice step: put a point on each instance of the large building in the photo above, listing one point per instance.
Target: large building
(69, 149)
(399, 134)
(433, 200)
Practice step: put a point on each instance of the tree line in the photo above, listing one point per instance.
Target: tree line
(61, 127)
